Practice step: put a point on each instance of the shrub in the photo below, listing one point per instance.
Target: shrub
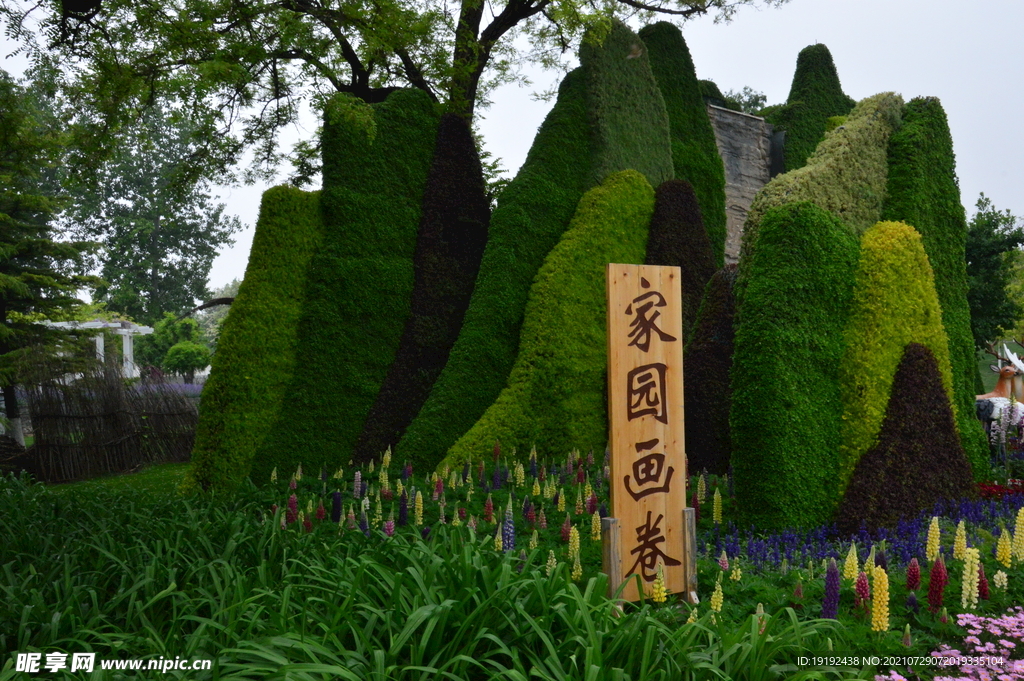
(917, 460)
(609, 117)
(706, 363)
(923, 191)
(556, 393)
(256, 349)
(677, 238)
(694, 151)
(894, 303)
(186, 358)
(453, 232)
(789, 341)
(376, 160)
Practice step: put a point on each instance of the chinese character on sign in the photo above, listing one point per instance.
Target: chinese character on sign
(648, 537)
(647, 392)
(648, 471)
(645, 322)
(27, 662)
(82, 661)
(55, 661)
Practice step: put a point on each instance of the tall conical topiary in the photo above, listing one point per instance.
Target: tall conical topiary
(694, 151)
(609, 117)
(452, 235)
(556, 393)
(785, 391)
(923, 191)
(894, 303)
(917, 460)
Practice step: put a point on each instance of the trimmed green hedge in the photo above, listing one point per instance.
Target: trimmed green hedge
(256, 350)
(923, 191)
(556, 393)
(609, 117)
(376, 160)
(894, 303)
(694, 151)
(814, 97)
(452, 235)
(785, 391)
(917, 461)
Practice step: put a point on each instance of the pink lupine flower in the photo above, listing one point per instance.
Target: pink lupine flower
(389, 527)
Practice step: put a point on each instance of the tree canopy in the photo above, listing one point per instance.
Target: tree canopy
(993, 238)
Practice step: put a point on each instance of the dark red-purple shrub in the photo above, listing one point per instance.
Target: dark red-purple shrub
(917, 459)
(450, 243)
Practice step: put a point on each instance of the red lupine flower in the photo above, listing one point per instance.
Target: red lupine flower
(531, 515)
(591, 504)
(913, 575)
(862, 591)
(542, 522)
(308, 524)
(321, 512)
(462, 513)
(438, 488)
(566, 528)
(936, 584)
(497, 451)
(581, 475)
(982, 583)
(489, 510)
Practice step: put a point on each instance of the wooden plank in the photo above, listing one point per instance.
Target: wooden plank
(645, 402)
(611, 558)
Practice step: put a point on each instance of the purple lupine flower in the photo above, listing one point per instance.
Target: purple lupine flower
(364, 524)
(912, 603)
(425, 532)
(496, 478)
(407, 472)
(590, 458)
(881, 560)
(336, 507)
(357, 487)
(403, 509)
(830, 606)
(603, 510)
(526, 506)
(508, 531)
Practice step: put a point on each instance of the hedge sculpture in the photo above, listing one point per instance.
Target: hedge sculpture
(556, 392)
(609, 117)
(256, 350)
(785, 389)
(923, 191)
(694, 151)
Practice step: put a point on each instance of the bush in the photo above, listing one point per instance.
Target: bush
(609, 117)
(556, 393)
(923, 191)
(917, 461)
(894, 303)
(789, 341)
(256, 349)
(694, 151)
(186, 358)
(376, 160)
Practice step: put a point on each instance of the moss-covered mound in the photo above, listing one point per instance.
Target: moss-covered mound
(677, 238)
(609, 117)
(555, 396)
(894, 303)
(256, 350)
(785, 394)
(376, 161)
(453, 232)
(707, 360)
(694, 152)
(814, 97)
(923, 191)
(917, 460)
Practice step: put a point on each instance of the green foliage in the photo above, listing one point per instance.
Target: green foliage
(923, 191)
(151, 349)
(814, 96)
(256, 350)
(711, 94)
(993, 238)
(360, 279)
(894, 303)
(609, 117)
(186, 358)
(789, 341)
(694, 151)
(846, 175)
(750, 100)
(556, 391)
(917, 461)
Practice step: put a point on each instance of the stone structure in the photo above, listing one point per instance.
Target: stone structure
(745, 145)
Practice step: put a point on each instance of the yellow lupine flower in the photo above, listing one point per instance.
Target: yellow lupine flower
(520, 475)
(693, 615)
(273, 475)
(880, 601)
(717, 509)
(298, 473)
(960, 541)
(969, 590)
(418, 517)
(552, 562)
(309, 507)
(386, 461)
(999, 580)
(1004, 549)
(577, 569)
(933, 540)
(588, 491)
(497, 539)
(595, 526)
(850, 567)
(579, 502)
(534, 539)
(371, 467)
(536, 487)
(574, 542)
(702, 489)
(338, 473)
(1018, 536)
(718, 597)
(399, 488)
(736, 574)
(383, 478)
(659, 594)
(561, 500)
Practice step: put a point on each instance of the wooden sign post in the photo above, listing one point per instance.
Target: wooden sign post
(648, 528)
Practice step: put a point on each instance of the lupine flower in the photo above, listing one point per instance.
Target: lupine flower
(850, 567)
(982, 582)
(568, 465)
(566, 528)
(542, 521)
(880, 604)
(306, 522)
(496, 451)
(717, 508)
(560, 500)
(960, 541)
(536, 488)
(999, 580)
(862, 590)
(273, 475)
(371, 467)
(534, 540)
(425, 533)
(590, 458)
(337, 474)
(552, 563)
(357, 486)
(418, 509)
(736, 574)
(531, 515)
(520, 474)
(385, 483)
(881, 560)
(496, 478)
(969, 590)
(760, 618)
(574, 542)
(603, 511)
(489, 510)
(580, 475)
(830, 605)
(912, 603)
(595, 526)
(577, 569)
(351, 518)
(533, 461)
(936, 584)
(309, 507)
(906, 636)
(1004, 549)
(943, 616)
(592, 504)
(497, 540)
(798, 590)
(1018, 535)
(292, 484)
(508, 532)
(932, 550)
(579, 501)
(389, 527)
(659, 595)
(293, 509)
(321, 512)
(471, 524)
(913, 575)
(438, 489)
(386, 460)
(364, 524)
(702, 489)
(298, 473)
(693, 615)
(717, 598)
(723, 561)
(526, 505)
(407, 472)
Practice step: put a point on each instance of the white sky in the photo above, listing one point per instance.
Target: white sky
(968, 54)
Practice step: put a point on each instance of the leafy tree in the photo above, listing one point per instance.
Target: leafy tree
(186, 358)
(152, 349)
(993, 238)
(750, 100)
(211, 319)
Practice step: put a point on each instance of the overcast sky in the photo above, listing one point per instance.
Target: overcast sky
(968, 54)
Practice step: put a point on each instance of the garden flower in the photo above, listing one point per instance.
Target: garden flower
(531, 515)
(595, 526)
(912, 603)
(386, 461)
(830, 605)
(357, 486)
(718, 597)
(438, 489)
(560, 500)
(862, 590)
(425, 533)
(298, 473)
(723, 561)
(1004, 549)
(306, 522)
(489, 510)
(471, 524)
(936, 584)
(309, 507)
(960, 541)
(881, 560)
(508, 531)
(717, 508)
(736, 573)
(293, 509)
(581, 475)
(702, 489)
(418, 518)
(351, 517)
(337, 474)
(798, 590)
(568, 465)
(579, 501)
(371, 469)
(693, 615)
(574, 542)
(982, 583)
(658, 594)
(520, 474)
(999, 580)
(292, 484)
(850, 566)
(399, 487)
(880, 605)
(906, 636)
(932, 549)
(536, 488)
(497, 540)
(407, 472)
(969, 592)
(389, 527)
(592, 504)
(364, 525)
(1018, 535)
(321, 512)
(542, 522)
(273, 475)
(913, 575)
(552, 562)
(760, 618)
(534, 540)
(566, 528)
(577, 569)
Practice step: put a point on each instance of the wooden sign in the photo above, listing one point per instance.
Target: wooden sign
(645, 410)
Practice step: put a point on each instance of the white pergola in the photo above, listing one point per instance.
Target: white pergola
(127, 331)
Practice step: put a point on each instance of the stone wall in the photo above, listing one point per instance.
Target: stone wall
(745, 144)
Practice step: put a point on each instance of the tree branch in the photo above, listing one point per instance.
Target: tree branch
(700, 9)
(413, 73)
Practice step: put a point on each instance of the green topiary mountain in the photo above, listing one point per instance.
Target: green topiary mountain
(923, 191)
(556, 392)
(256, 349)
(694, 151)
(786, 402)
